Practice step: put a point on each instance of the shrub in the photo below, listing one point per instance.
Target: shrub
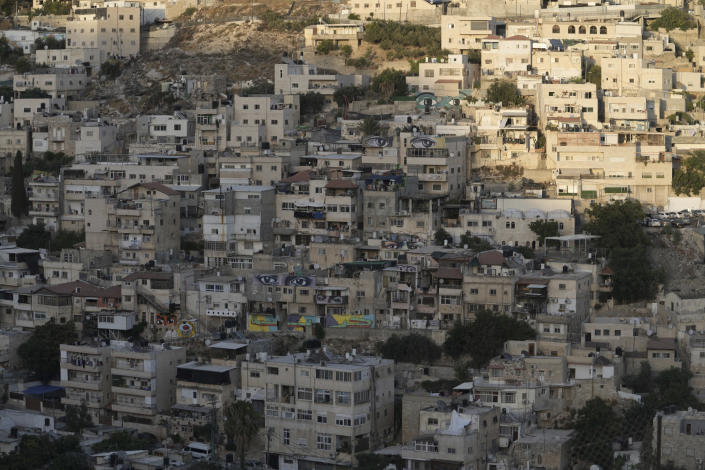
(325, 47)
(673, 18)
(414, 348)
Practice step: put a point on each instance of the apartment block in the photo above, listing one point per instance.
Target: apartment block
(340, 34)
(326, 409)
(557, 65)
(85, 374)
(462, 34)
(57, 83)
(277, 114)
(439, 163)
(293, 78)
(629, 76)
(510, 56)
(67, 58)
(678, 437)
(567, 105)
(139, 224)
(45, 201)
(237, 223)
(111, 27)
(445, 76)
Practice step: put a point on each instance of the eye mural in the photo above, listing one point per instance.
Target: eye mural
(422, 142)
(377, 141)
(299, 281)
(268, 279)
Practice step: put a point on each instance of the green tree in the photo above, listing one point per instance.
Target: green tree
(34, 237)
(505, 92)
(78, 418)
(641, 382)
(413, 348)
(353, 16)
(346, 50)
(111, 68)
(43, 451)
(40, 353)
(319, 331)
(312, 102)
(441, 236)
(525, 251)
(55, 7)
(23, 65)
(673, 389)
(124, 440)
(475, 243)
(673, 18)
(689, 54)
(618, 224)
(404, 40)
(594, 75)
(19, 204)
(347, 94)
(390, 83)
(325, 47)
(545, 228)
(70, 461)
(241, 425)
(690, 178)
(370, 126)
(596, 427)
(260, 86)
(483, 338)
(49, 42)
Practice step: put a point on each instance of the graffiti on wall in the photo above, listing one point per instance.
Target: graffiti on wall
(259, 322)
(292, 280)
(349, 321)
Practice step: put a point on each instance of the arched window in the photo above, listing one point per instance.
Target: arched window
(556, 28)
(603, 29)
(571, 29)
(593, 29)
(582, 30)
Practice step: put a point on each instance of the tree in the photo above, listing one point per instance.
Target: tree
(596, 427)
(78, 418)
(43, 451)
(125, 440)
(241, 425)
(369, 126)
(55, 7)
(545, 228)
(319, 331)
(618, 224)
(441, 236)
(642, 381)
(353, 16)
(312, 102)
(347, 94)
(346, 50)
(475, 243)
(111, 69)
(390, 83)
(40, 353)
(414, 348)
(673, 389)
(23, 65)
(260, 86)
(689, 54)
(504, 92)
(673, 18)
(690, 178)
(49, 42)
(594, 75)
(484, 337)
(19, 204)
(325, 47)
(36, 236)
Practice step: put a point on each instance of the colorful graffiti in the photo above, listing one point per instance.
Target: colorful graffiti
(165, 319)
(259, 322)
(349, 321)
(299, 322)
(293, 280)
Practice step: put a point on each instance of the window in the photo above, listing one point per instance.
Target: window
(343, 420)
(273, 370)
(254, 374)
(493, 291)
(323, 419)
(286, 436)
(342, 398)
(474, 291)
(618, 332)
(561, 286)
(432, 421)
(324, 374)
(323, 396)
(304, 415)
(304, 394)
(343, 376)
(362, 397)
(324, 441)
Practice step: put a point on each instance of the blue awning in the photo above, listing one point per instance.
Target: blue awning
(40, 390)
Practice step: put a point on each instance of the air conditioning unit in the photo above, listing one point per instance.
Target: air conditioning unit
(503, 442)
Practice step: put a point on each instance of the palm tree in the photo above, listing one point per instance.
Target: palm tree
(241, 426)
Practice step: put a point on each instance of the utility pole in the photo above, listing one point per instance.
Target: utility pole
(214, 431)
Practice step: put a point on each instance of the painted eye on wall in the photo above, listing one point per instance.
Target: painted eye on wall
(423, 142)
(299, 281)
(376, 141)
(267, 279)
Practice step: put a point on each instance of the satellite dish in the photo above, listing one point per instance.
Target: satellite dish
(208, 342)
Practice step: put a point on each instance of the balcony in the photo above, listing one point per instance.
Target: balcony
(141, 409)
(77, 382)
(442, 177)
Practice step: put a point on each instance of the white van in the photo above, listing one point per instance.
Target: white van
(199, 450)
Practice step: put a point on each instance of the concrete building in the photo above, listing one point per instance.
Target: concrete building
(326, 409)
(85, 374)
(679, 437)
(111, 27)
(567, 105)
(340, 34)
(45, 195)
(296, 79)
(140, 224)
(557, 65)
(462, 34)
(277, 115)
(237, 223)
(445, 76)
(628, 76)
(57, 83)
(506, 56)
(67, 58)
